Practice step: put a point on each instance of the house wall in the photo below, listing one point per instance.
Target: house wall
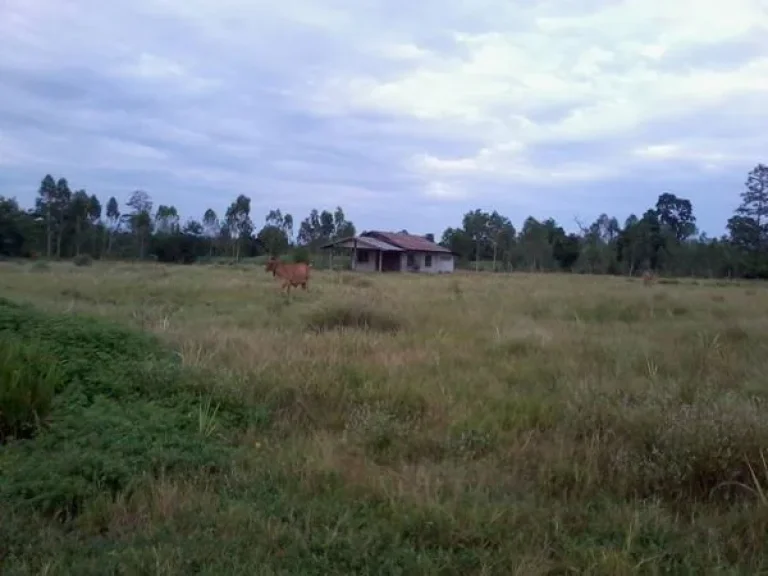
(441, 263)
(371, 265)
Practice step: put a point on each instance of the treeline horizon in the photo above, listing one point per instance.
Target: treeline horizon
(65, 224)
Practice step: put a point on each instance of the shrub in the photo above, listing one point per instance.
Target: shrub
(301, 254)
(28, 380)
(82, 260)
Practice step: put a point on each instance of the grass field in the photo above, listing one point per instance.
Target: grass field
(195, 421)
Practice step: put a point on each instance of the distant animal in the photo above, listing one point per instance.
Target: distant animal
(649, 277)
(291, 274)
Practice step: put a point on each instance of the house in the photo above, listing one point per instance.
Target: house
(395, 252)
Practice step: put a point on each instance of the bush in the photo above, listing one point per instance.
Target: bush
(82, 260)
(301, 254)
(28, 380)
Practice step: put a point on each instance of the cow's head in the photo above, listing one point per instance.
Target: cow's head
(271, 265)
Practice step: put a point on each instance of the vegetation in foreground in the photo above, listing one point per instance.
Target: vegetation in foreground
(180, 420)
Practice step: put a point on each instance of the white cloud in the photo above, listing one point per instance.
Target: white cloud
(384, 100)
(443, 191)
(605, 69)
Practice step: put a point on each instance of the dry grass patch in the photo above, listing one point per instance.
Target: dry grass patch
(354, 315)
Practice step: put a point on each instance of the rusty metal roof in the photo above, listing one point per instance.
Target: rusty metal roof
(405, 241)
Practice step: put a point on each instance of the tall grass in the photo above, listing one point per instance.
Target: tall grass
(464, 424)
(28, 380)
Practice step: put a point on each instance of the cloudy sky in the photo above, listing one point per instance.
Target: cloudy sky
(407, 114)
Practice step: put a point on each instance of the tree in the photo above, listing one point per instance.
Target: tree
(566, 250)
(94, 222)
(476, 224)
(676, 215)
(273, 239)
(62, 198)
(327, 226)
(749, 226)
(498, 230)
(212, 228)
(113, 219)
(140, 218)
(535, 244)
(79, 215)
(283, 223)
(641, 242)
(309, 230)
(46, 197)
(458, 242)
(167, 220)
(342, 227)
(321, 227)
(193, 228)
(16, 229)
(238, 218)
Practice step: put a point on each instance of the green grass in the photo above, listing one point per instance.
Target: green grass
(193, 420)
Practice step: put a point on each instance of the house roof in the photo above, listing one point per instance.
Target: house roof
(408, 242)
(366, 242)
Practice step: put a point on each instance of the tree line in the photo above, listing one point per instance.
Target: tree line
(665, 238)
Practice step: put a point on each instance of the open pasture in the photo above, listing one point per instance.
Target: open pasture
(388, 424)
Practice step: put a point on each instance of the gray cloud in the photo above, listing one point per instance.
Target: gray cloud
(198, 101)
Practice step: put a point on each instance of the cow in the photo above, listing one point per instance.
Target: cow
(291, 274)
(649, 277)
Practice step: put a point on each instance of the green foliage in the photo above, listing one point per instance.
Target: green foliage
(28, 379)
(301, 254)
(123, 408)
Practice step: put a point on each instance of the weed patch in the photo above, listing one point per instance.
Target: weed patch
(118, 404)
(28, 379)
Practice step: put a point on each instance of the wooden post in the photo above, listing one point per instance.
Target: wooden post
(381, 253)
(354, 254)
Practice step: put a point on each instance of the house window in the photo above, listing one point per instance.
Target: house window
(410, 260)
(428, 261)
(362, 256)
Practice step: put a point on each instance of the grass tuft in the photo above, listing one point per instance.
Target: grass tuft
(82, 260)
(28, 380)
(356, 316)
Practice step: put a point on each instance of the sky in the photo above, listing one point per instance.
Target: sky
(406, 114)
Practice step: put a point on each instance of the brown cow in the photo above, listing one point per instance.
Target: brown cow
(291, 274)
(649, 277)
